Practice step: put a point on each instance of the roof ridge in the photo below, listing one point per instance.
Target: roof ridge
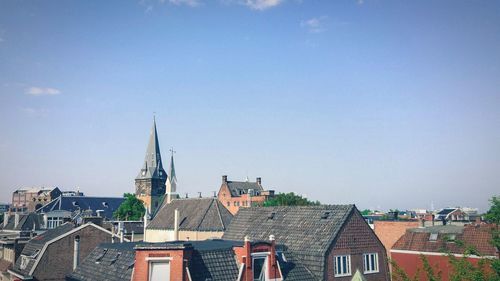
(205, 214)
(220, 215)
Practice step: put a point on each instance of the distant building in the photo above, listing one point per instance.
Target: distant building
(30, 199)
(390, 231)
(132, 230)
(450, 215)
(196, 219)
(55, 253)
(437, 241)
(333, 242)
(4, 207)
(242, 194)
(150, 182)
(75, 208)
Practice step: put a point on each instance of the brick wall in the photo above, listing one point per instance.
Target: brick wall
(355, 239)
(57, 261)
(390, 231)
(233, 204)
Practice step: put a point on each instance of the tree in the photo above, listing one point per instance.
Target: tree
(289, 199)
(131, 209)
(493, 216)
(366, 212)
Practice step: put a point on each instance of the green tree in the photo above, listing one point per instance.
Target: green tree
(289, 199)
(493, 216)
(132, 209)
(366, 212)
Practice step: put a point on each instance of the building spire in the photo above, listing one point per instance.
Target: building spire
(153, 166)
(171, 190)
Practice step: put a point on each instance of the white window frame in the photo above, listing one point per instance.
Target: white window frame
(367, 263)
(260, 255)
(151, 260)
(339, 270)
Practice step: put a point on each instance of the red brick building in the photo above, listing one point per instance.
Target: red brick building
(390, 231)
(242, 194)
(434, 243)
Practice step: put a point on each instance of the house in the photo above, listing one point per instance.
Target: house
(132, 230)
(213, 259)
(55, 253)
(30, 199)
(196, 219)
(390, 231)
(242, 194)
(457, 215)
(437, 241)
(332, 242)
(71, 208)
(15, 231)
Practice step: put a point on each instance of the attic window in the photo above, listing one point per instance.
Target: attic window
(271, 216)
(105, 204)
(325, 215)
(433, 237)
(99, 258)
(75, 203)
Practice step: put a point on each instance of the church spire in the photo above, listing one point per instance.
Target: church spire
(153, 166)
(171, 190)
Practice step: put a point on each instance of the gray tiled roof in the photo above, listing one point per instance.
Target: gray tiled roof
(26, 222)
(241, 187)
(36, 245)
(195, 214)
(108, 261)
(216, 265)
(84, 203)
(306, 231)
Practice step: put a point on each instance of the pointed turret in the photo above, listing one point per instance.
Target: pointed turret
(150, 182)
(171, 190)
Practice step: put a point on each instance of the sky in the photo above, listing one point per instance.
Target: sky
(383, 104)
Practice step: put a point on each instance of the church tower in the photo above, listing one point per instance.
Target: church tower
(150, 182)
(171, 192)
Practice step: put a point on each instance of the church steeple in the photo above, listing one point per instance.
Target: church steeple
(171, 191)
(150, 182)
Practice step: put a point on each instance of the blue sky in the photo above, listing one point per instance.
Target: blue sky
(385, 104)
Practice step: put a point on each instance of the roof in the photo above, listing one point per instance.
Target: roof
(305, 231)
(241, 187)
(108, 261)
(108, 205)
(4, 265)
(35, 246)
(214, 265)
(476, 236)
(26, 222)
(153, 167)
(195, 214)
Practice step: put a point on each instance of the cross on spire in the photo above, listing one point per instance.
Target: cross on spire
(172, 151)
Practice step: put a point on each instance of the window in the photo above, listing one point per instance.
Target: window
(53, 222)
(370, 262)
(433, 237)
(342, 265)
(259, 267)
(159, 270)
(228, 203)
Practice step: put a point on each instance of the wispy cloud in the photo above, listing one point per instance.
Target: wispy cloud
(314, 25)
(36, 112)
(38, 91)
(190, 3)
(259, 5)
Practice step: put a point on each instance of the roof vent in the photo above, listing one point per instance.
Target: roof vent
(325, 215)
(114, 259)
(99, 258)
(271, 216)
(433, 237)
(131, 264)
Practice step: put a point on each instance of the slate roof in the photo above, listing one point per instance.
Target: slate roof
(35, 246)
(195, 214)
(213, 265)
(108, 205)
(108, 261)
(477, 236)
(153, 167)
(241, 187)
(26, 222)
(307, 232)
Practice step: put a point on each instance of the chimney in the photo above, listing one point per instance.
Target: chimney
(5, 219)
(259, 181)
(224, 179)
(248, 252)
(145, 222)
(120, 230)
(433, 217)
(76, 252)
(274, 272)
(478, 220)
(215, 193)
(176, 225)
(199, 194)
(16, 220)
(422, 222)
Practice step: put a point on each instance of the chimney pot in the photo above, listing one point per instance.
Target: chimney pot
(5, 218)
(176, 225)
(271, 237)
(224, 178)
(259, 180)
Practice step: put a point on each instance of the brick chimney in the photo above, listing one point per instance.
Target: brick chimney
(176, 225)
(5, 219)
(259, 181)
(224, 179)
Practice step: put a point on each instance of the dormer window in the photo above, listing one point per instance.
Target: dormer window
(259, 266)
(433, 237)
(143, 173)
(75, 204)
(325, 215)
(105, 204)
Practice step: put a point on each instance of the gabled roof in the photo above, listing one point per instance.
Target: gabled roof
(153, 167)
(26, 222)
(35, 248)
(108, 261)
(108, 205)
(241, 187)
(306, 231)
(475, 236)
(195, 214)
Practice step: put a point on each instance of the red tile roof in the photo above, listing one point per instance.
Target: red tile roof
(476, 236)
